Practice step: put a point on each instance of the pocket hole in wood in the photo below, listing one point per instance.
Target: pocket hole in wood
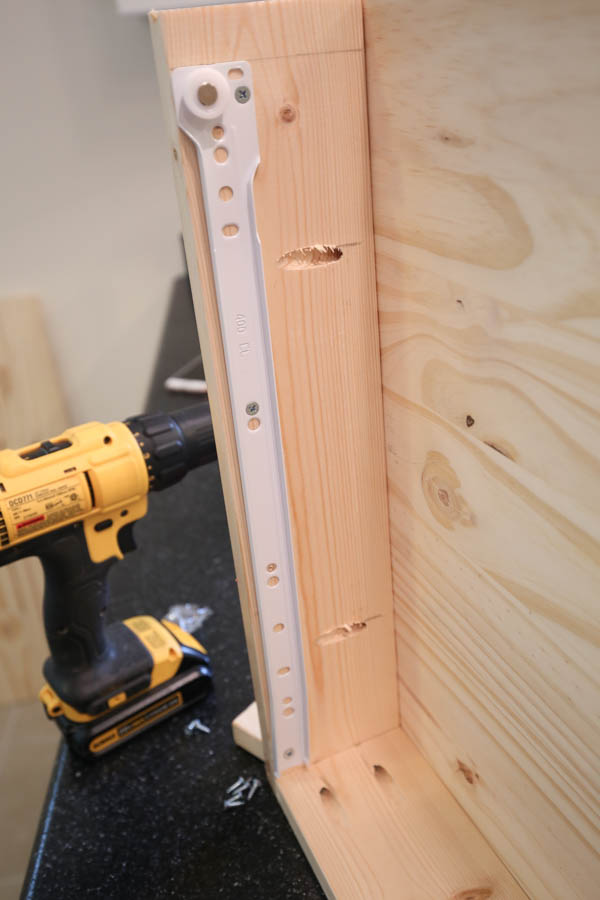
(271, 567)
(218, 132)
(289, 711)
(310, 257)
(226, 193)
(286, 700)
(221, 154)
(230, 230)
(236, 73)
(381, 773)
(273, 581)
(279, 627)
(253, 424)
(284, 670)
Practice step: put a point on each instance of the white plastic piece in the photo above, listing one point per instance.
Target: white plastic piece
(226, 139)
(185, 385)
(191, 86)
(180, 383)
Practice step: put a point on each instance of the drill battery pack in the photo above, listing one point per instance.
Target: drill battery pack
(152, 670)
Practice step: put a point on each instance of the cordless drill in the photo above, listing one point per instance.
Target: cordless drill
(72, 501)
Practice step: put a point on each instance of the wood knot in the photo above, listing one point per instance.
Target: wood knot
(440, 486)
(456, 140)
(469, 774)
(287, 113)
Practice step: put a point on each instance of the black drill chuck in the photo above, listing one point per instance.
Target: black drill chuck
(174, 443)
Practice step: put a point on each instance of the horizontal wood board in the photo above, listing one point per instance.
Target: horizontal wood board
(376, 822)
(312, 189)
(484, 128)
(246, 731)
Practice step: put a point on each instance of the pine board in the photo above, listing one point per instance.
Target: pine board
(377, 823)
(247, 733)
(484, 126)
(312, 188)
(32, 407)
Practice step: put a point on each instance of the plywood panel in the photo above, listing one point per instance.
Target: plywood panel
(32, 407)
(484, 124)
(312, 189)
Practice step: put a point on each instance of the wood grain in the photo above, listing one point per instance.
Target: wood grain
(166, 46)
(260, 30)
(377, 823)
(247, 733)
(312, 189)
(32, 407)
(484, 124)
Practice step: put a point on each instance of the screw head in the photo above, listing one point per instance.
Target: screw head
(288, 753)
(242, 93)
(252, 408)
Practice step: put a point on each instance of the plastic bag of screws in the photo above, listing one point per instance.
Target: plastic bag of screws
(189, 616)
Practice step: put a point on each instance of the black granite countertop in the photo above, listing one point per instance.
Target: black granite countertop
(147, 821)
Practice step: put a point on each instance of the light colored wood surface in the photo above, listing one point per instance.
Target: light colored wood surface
(484, 125)
(376, 822)
(255, 31)
(312, 189)
(32, 407)
(247, 733)
(189, 196)
(28, 744)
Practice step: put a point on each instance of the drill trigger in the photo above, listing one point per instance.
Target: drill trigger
(126, 539)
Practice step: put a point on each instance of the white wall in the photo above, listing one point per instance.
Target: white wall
(88, 217)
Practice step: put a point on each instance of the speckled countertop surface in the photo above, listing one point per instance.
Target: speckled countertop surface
(147, 821)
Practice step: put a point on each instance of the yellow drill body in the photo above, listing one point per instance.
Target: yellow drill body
(100, 473)
(72, 501)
